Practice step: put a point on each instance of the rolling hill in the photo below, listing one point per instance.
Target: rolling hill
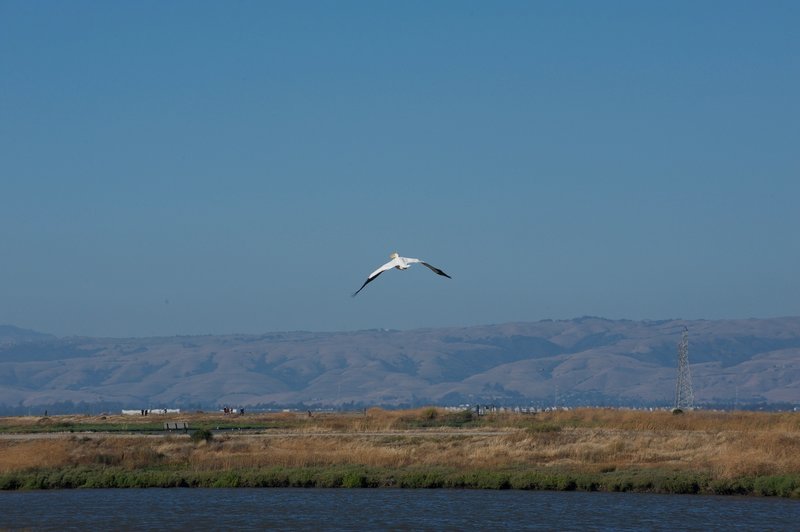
(584, 361)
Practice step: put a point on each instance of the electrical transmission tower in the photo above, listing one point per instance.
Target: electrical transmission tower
(684, 396)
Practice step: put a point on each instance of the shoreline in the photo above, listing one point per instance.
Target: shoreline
(661, 482)
(712, 453)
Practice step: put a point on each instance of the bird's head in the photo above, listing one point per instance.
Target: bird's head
(393, 255)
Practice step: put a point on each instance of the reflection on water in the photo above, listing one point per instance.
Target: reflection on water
(381, 509)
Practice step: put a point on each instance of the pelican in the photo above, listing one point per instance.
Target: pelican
(401, 263)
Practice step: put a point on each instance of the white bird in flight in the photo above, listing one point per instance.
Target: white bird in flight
(401, 263)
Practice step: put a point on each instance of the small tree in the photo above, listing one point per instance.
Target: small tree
(202, 435)
(430, 414)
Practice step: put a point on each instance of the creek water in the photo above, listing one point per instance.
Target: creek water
(386, 509)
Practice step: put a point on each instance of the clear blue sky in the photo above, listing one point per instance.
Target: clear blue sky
(215, 167)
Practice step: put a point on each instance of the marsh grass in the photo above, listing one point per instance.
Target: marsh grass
(609, 450)
(361, 477)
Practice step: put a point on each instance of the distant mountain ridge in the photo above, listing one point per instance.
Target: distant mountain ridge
(583, 361)
(10, 335)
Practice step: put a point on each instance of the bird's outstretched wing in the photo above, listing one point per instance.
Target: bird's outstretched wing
(434, 269)
(388, 266)
(369, 280)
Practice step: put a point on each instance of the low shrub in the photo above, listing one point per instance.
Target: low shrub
(354, 479)
(201, 435)
(429, 414)
(781, 486)
(420, 479)
(740, 486)
(679, 484)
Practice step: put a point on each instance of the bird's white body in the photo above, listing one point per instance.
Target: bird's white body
(400, 263)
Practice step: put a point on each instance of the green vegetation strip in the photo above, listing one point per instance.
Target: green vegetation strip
(357, 477)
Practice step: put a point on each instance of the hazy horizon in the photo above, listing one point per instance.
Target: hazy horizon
(407, 329)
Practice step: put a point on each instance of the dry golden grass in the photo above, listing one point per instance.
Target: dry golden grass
(20, 455)
(723, 445)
